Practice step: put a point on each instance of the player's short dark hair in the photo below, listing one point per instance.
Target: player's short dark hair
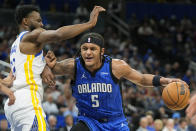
(94, 38)
(23, 11)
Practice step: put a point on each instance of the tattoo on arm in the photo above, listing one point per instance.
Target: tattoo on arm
(65, 67)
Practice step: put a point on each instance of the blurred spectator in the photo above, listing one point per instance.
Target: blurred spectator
(115, 7)
(143, 124)
(69, 123)
(145, 29)
(182, 125)
(70, 102)
(49, 106)
(52, 123)
(164, 119)
(158, 125)
(4, 125)
(150, 119)
(169, 125)
(82, 11)
(61, 104)
(176, 116)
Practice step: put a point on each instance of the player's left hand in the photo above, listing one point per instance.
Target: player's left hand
(48, 77)
(11, 98)
(94, 14)
(166, 81)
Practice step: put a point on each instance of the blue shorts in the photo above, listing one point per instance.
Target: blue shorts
(119, 124)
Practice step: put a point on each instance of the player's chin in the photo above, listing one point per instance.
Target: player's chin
(89, 63)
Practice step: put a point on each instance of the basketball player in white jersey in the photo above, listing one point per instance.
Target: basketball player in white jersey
(27, 62)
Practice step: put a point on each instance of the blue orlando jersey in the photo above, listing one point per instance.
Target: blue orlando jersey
(97, 94)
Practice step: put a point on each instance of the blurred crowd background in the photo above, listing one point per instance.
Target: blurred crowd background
(153, 36)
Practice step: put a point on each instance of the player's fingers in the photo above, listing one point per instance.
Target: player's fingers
(100, 9)
(11, 101)
(52, 84)
(53, 59)
(45, 80)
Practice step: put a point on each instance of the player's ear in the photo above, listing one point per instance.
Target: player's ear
(102, 51)
(25, 21)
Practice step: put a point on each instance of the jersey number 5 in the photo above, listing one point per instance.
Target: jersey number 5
(95, 101)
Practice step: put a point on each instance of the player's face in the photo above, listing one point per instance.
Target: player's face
(91, 54)
(34, 20)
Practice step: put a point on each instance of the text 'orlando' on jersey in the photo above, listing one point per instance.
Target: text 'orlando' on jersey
(97, 94)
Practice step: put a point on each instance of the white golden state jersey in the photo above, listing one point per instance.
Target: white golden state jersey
(26, 69)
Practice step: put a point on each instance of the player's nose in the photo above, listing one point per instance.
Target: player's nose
(88, 51)
(41, 24)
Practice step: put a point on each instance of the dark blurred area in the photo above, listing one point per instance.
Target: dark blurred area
(153, 36)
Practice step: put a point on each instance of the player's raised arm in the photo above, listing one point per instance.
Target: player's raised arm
(122, 70)
(67, 32)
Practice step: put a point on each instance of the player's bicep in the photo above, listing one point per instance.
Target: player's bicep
(122, 70)
(48, 36)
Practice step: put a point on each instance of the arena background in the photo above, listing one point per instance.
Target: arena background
(153, 36)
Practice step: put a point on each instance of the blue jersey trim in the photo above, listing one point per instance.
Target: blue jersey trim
(24, 32)
(38, 53)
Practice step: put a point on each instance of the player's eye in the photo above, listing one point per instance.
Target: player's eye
(93, 49)
(84, 48)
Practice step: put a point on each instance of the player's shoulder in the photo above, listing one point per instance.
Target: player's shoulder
(32, 35)
(119, 67)
(117, 62)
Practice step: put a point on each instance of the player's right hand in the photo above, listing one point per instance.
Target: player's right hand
(94, 15)
(11, 98)
(48, 77)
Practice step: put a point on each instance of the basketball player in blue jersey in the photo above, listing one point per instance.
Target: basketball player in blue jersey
(27, 64)
(95, 85)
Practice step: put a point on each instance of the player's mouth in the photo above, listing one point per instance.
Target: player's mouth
(88, 59)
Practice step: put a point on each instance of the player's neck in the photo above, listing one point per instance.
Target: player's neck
(21, 29)
(94, 67)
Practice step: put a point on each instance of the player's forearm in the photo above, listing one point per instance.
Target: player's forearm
(71, 31)
(146, 80)
(57, 69)
(153, 80)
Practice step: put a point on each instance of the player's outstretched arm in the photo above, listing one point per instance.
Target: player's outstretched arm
(8, 92)
(71, 31)
(122, 70)
(64, 67)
